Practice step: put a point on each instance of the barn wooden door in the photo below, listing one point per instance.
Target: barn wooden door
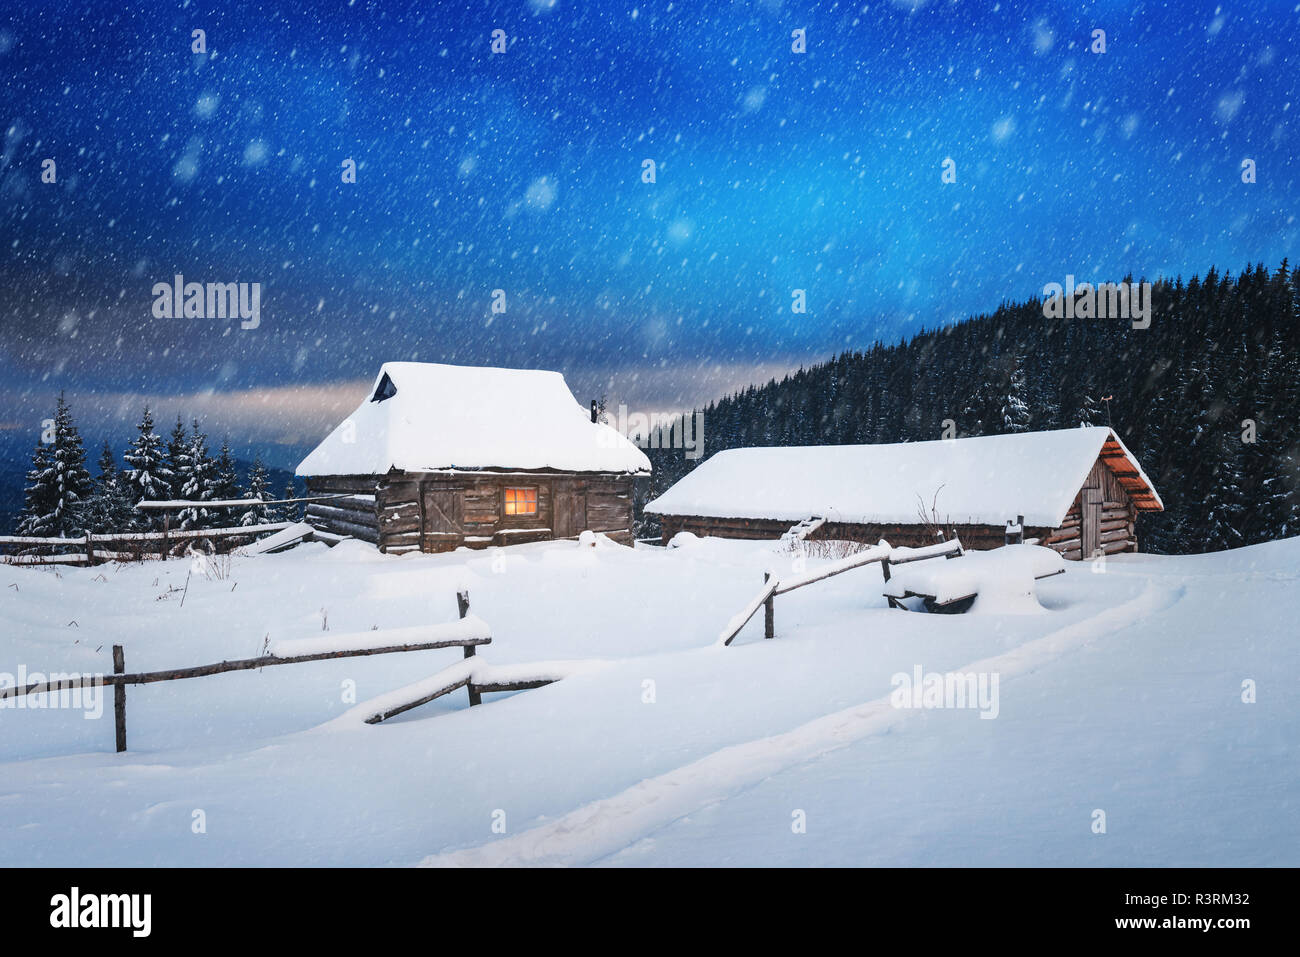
(1091, 531)
(570, 510)
(442, 518)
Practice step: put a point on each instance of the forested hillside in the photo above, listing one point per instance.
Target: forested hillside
(1206, 397)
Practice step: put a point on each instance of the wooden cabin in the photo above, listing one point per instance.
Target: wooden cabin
(440, 456)
(1079, 491)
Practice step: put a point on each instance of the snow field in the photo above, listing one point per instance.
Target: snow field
(671, 751)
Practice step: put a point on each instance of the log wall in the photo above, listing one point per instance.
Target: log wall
(439, 511)
(912, 536)
(354, 515)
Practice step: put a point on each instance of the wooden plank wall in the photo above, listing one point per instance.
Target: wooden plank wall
(1118, 531)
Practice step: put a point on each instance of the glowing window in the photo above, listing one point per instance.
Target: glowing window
(521, 501)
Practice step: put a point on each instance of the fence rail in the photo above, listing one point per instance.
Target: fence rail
(87, 554)
(772, 587)
(138, 542)
(468, 633)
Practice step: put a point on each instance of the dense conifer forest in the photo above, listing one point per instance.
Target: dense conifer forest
(1206, 397)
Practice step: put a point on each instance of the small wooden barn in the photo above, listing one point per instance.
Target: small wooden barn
(1078, 490)
(439, 456)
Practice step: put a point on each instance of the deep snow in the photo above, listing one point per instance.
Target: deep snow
(1123, 695)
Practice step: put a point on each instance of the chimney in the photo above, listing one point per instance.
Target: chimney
(593, 410)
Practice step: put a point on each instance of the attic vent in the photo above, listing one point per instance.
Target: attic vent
(385, 390)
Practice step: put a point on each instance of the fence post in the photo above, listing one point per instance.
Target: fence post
(119, 698)
(769, 611)
(462, 604)
(167, 525)
(90, 550)
(1018, 536)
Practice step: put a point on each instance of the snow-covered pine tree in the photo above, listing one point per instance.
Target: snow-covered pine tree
(1015, 405)
(981, 413)
(289, 511)
(198, 476)
(146, 472)
(111, 508)
(226, 484)
(178, 444)
(1089, 412)
(38, 496)
(60, 486)
(259, 487)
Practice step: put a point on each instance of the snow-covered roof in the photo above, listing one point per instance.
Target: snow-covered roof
(980, 481)
(424, 416)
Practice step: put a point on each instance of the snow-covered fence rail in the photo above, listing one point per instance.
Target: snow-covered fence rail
(476, 676)
(128, 545)
(172, 505)
(467, 633)
(133, 545)
(883, 553)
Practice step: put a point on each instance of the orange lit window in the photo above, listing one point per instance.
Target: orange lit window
(521, 501)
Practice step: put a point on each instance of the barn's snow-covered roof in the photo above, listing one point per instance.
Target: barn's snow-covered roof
(985, 480)
(424, 416)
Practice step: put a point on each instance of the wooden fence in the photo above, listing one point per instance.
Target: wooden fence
(772, 587)
(138, 546)
(121, 546)
(467, 633)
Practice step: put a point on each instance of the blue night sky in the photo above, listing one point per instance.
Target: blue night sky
(522, 171)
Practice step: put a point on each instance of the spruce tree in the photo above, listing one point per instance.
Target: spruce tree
(39, 496)
(1088, 412)
(1015, 406)
(289, 512)
(259, 483)
(226, 480)
(146, 470)
(59, 487)
(110, 508)
(178, 444)
(197, 479)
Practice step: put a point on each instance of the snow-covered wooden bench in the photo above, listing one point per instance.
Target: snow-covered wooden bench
(882, 552)
(1004, 575)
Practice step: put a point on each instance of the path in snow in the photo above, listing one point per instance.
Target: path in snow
(606, 826)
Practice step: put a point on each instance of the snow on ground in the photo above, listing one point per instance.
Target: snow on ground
(1123, 695)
